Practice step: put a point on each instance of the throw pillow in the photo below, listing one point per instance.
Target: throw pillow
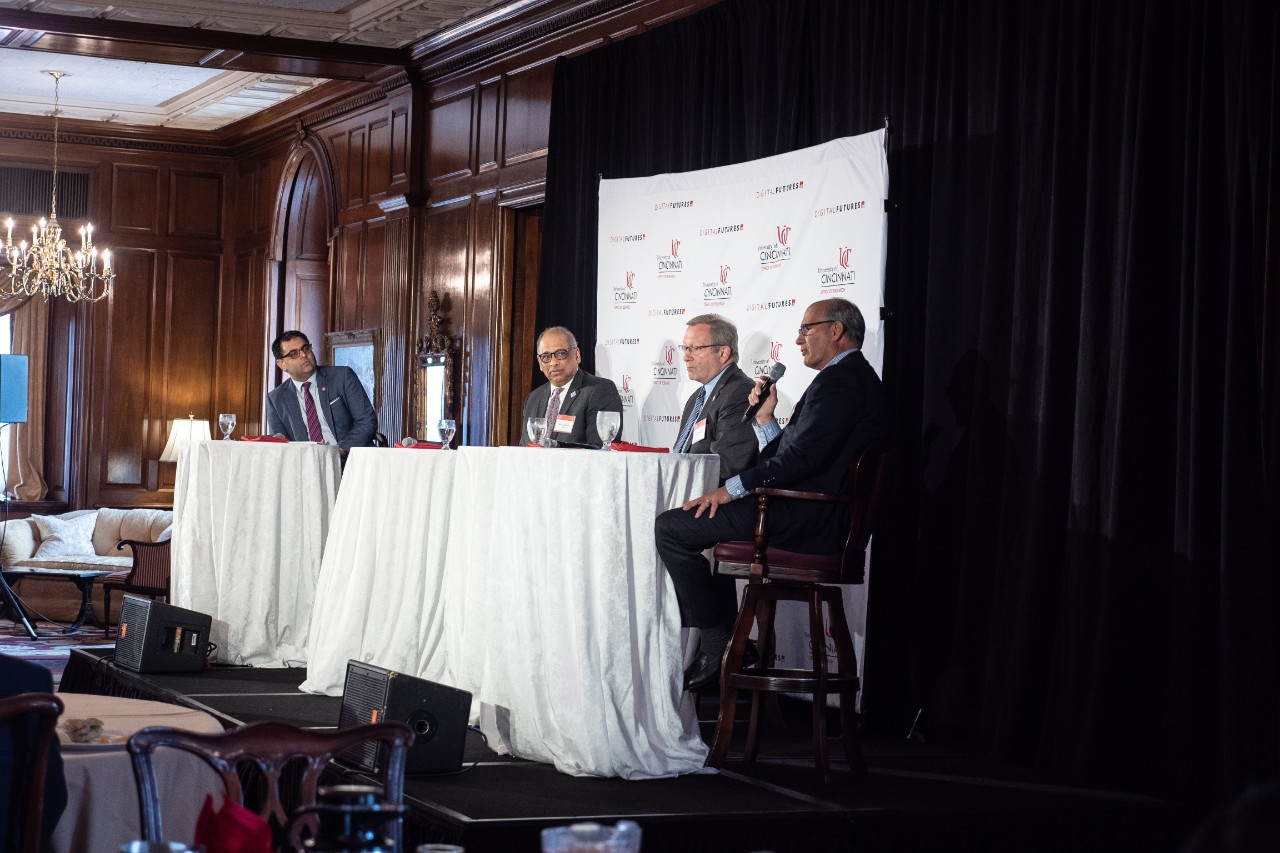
(62, 537)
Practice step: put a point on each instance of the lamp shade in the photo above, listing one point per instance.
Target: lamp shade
(184, 429)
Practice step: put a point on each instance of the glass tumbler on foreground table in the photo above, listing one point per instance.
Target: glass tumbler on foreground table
(607, 425)
(447, 428)
(537, 428)
(227, 423)
(624, 837)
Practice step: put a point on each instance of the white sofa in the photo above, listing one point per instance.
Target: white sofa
(83, 540)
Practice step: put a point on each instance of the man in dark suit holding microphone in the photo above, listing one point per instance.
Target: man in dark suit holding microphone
(841, 411)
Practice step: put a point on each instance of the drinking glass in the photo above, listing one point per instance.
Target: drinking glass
(607, 425)
(227, 423)
(447, 428)
(537, 429)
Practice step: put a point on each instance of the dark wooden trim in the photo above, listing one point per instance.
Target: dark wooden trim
(199, 47)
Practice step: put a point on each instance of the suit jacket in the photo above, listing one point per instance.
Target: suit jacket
(838, 414)
(726, 435)
(585, 396)
(343, 401)
(18, 676)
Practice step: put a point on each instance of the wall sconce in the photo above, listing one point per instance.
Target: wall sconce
(184, 429)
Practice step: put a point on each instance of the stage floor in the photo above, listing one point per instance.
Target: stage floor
(915, 798)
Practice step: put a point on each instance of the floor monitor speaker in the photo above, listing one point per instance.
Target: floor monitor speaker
(436, 713)
(159, 637)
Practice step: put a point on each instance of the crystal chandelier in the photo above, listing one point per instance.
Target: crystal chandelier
(49, 266)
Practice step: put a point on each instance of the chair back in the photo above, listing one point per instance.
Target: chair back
(271, 747)
(14, 712)
(865, 489)
(150, 573)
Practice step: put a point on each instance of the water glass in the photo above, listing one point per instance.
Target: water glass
(447, 428)
(607, 425)
(537, 428)
(592, 838)
(227, 423)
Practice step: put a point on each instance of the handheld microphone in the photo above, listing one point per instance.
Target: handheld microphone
(408, 441)
(775, 373)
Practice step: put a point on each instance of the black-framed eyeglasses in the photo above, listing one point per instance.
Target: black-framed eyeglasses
(700, 347)
(558, 355)
(804, 329)
(297, 353)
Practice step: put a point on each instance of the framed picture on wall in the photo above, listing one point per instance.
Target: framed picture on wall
(361, 350)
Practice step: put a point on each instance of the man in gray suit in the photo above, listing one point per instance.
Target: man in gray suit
(571, 398)
(712, 418)
(321, 404)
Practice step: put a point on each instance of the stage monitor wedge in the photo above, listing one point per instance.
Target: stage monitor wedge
(159, 637)
(437, 714)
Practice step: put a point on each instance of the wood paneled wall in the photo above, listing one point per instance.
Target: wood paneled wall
(122, 368)
(420, 174)
(487, 129)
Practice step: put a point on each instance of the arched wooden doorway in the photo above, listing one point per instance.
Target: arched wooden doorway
(301, 295)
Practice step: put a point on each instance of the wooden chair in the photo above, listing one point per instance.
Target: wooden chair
(777, 575)
(269, 747)
(149, 576)
(13, 712)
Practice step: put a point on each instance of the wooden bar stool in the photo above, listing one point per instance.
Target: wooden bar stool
(774, 575)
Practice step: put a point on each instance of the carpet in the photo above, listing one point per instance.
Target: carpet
(49, 651)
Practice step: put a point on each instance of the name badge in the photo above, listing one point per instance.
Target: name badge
(564, 423)
(699, 431)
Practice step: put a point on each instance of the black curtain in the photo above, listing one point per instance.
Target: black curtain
(1077, 573)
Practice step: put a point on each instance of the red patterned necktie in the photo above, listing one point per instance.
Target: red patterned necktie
(313, 418)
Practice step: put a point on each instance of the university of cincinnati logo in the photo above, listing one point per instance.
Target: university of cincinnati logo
(624, 296)
(761, 366)
(714, 293)
(772, 255)
(834, 279)
(670, 265)
(664, 369)
(626, 383)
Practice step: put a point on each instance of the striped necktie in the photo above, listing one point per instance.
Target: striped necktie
(686, 431)
(313, 417)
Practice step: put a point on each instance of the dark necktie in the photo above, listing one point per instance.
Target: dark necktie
(313, 417)
(686, 431)
(553, 410)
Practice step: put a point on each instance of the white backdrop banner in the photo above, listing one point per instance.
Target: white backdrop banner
(756, 242)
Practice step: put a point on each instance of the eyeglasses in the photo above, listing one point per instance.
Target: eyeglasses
(700, 347)
(558, 355)
(805, 328)
(296, 353)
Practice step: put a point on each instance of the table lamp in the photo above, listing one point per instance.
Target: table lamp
(184, 429)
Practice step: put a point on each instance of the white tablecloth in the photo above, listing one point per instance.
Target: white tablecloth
(528, 577)
(102, 798)
(249, 528)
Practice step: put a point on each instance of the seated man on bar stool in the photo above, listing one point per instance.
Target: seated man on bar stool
(838, 414)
